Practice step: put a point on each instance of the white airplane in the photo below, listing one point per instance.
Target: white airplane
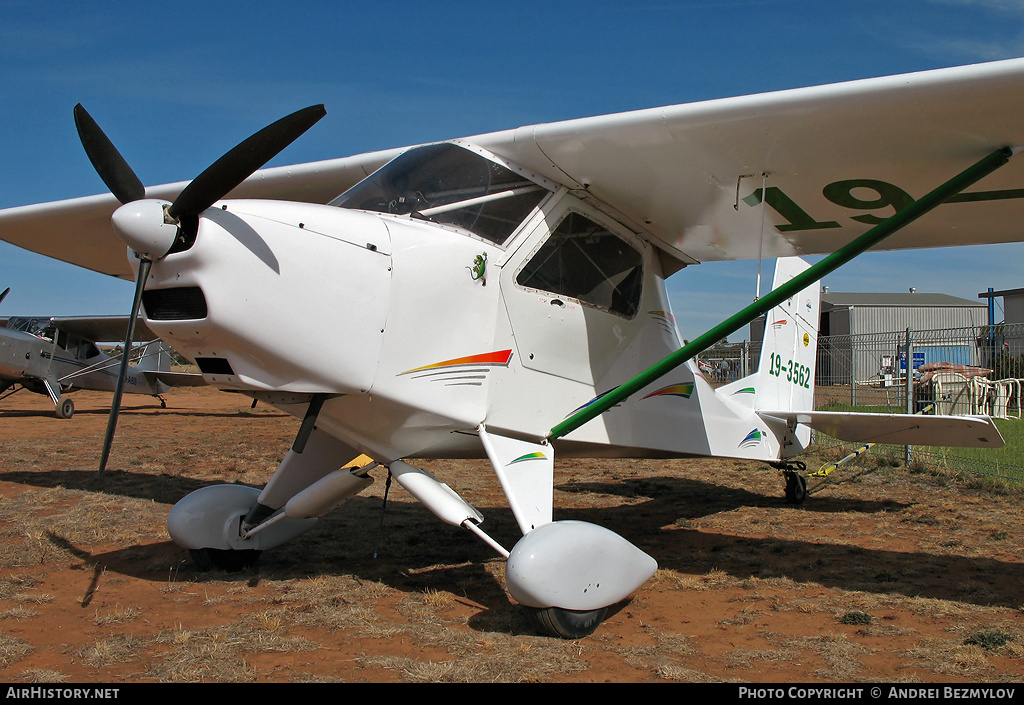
(503, 296)
(55, 355)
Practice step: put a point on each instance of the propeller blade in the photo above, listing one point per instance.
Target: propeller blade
(239, 164)
(4, 295)
(107, 161)
(115, 406)
(202, 192)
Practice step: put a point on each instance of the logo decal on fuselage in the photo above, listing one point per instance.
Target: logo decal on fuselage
(753, 439)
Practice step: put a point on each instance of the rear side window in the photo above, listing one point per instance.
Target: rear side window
(584, 260)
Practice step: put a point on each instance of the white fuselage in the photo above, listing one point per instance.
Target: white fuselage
(416, 348)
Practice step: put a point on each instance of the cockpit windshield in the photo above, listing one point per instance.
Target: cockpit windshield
(39, 327)
(45, 329)
(448, 184)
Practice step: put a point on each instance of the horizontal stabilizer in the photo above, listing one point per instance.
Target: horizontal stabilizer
(898, 429)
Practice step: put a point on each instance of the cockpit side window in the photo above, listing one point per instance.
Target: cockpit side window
(448, 184)
(584, 260)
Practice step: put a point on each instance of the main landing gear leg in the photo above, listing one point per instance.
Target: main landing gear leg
(565, 573)
(63, 407)
(228, 526)
(581, 563)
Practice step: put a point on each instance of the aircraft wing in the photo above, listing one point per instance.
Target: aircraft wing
(816, 167)
(899, 429)
(837, 159)
(103, 329)
(98, 329)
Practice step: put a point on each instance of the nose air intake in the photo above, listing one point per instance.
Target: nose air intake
(187, 303)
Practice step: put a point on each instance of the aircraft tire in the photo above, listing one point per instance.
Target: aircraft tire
(566, 624)
(230, 561)
(796, 488)
(65, 408)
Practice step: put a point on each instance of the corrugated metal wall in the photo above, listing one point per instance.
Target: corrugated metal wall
(1013, 309)
(879, 331)
(884, 319)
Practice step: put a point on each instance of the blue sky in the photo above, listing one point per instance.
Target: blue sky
(176, 85)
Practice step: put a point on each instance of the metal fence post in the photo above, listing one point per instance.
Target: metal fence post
(910, 391)
(853, 373)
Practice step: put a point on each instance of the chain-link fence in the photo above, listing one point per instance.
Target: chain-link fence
(725, 362)
(962, 371)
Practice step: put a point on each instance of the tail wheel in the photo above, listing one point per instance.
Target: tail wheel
(224, 559)
(566, 624)
(796, 487)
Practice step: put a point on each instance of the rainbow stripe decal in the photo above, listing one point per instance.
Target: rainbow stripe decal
(500, 358)
(529, 456)
(674, 390)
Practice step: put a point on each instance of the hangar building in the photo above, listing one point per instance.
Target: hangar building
(1008, 333)
(858, 314)
(862, 335)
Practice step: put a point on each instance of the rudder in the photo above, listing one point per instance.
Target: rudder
(785, 379)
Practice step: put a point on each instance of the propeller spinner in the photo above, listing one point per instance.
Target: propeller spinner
(149, 226)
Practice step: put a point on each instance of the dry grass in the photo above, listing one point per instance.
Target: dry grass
(890, 576)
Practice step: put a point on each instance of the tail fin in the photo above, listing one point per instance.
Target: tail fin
(784, 388)
(156, 357)
(785, 377)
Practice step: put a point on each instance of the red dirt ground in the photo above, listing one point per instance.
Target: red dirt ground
(890, 576)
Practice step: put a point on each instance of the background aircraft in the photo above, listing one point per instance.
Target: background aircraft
(503, 296)
(56, 355)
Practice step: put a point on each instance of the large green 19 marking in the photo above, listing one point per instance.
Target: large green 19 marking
(841, 193)
(788, 209)
(795, 373)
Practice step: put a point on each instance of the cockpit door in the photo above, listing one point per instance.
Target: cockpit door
(572, 291)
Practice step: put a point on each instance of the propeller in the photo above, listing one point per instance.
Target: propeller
(4, 295)
(149, 227)
(107, 161)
